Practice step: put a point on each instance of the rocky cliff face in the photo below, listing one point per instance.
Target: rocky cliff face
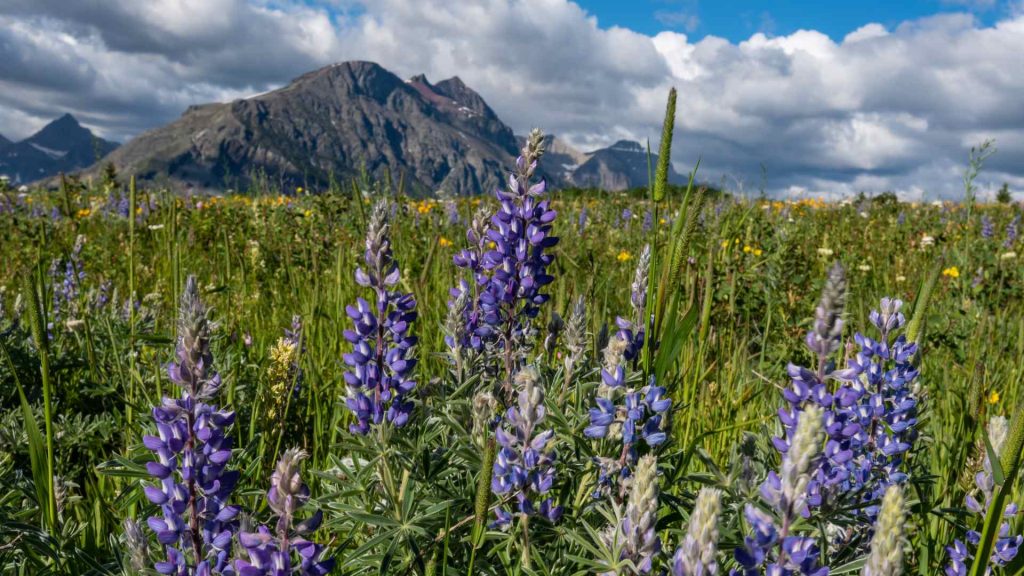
(353, 118)
(63, 145)
(333, 123)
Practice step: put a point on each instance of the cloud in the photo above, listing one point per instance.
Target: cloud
(884, 108)
(684, 19)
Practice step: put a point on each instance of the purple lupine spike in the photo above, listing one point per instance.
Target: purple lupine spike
(870, 417)
(471, 259)
(67, 276)
(285, 551)
(379, 378)
(632, 416)
(637, 534)
(197, 524)
(634, 331)
(961, 553)
(1011, 232)
(772, 546)
(511, 270)
(525, 464)
(988, 229)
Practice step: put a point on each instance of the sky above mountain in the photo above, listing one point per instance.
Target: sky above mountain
(785, 96)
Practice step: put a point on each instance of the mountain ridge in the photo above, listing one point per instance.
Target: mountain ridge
(349, 119)
(63, 145)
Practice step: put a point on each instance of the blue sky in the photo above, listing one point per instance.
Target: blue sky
(737, 20)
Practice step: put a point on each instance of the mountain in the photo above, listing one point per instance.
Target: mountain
(332, 123)
(560, 159)
(621, 166)
(3, 142)
(63, 145)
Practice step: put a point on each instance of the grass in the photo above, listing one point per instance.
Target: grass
(741, 279)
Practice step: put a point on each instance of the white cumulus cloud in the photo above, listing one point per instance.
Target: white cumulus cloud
(883, 108)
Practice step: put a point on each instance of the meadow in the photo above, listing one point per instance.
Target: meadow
(625, 400)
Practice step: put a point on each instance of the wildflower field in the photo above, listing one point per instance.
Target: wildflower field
(528, 382)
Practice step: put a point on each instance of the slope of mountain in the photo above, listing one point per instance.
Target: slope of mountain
(621, 166)
(63, 145)
(332, 122)
(3, 141)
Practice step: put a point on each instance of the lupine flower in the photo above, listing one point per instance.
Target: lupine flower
(581, 223)
(696, 554)
(648, 221)
(67, 277)
(575, 343)
(1007, 545)
(624, 414)
(824, 338)
(525, 463)
(988, 229)
(196, 524)
(455, 328)
(485, 406)
(136, 546)
(870, 418)
(886, 557)
(633, 331)
(1011, 232)
(641, 539)
(285, 551)
(515, 268)
(772, 546)
(379, 379)
(471, 259)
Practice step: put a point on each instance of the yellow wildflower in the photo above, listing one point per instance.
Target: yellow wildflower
(298, 190)
(307, 213)
(280, 375)
(952, 272)
(993, 397)
(725, 243)
(747, 249)
(444, 242)
(758, 251)
(83, 213)
(624, 256)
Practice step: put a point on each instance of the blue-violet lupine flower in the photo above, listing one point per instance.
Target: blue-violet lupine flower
(772, 546)
(196, 524)
(870, 418)
(379, 376)
(624, 414)
(284, 551)
(988, 229)
(525, 464)
(1007, 545)
(515, 268)
(1011, 232)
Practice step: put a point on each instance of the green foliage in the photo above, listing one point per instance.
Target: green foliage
(733, 289)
